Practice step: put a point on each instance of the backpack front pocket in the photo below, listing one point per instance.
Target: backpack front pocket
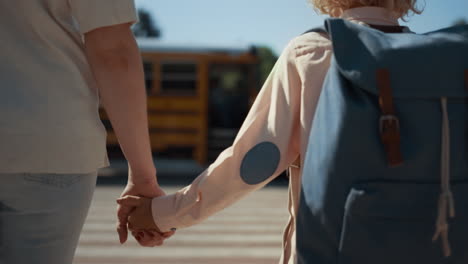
(394, 223)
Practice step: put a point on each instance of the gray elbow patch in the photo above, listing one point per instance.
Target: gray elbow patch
(260, 163)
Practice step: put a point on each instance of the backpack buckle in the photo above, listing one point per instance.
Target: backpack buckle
(388, 123)
(390, 135)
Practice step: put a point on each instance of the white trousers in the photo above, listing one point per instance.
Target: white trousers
(41, 216)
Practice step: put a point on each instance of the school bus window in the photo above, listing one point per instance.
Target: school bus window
(228, 95)
(178, 78)
(148, 68)
(228, 104)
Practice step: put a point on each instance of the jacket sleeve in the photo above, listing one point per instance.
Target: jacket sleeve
(93, 14)
(267, 143)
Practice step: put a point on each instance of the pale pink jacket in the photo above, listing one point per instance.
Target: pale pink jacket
(282, 114)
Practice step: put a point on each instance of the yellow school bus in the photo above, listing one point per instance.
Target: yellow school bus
(197, 97)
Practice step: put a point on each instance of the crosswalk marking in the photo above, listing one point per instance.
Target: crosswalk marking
(167, 252)
(220, 237)
(91, 227)
(249, 232)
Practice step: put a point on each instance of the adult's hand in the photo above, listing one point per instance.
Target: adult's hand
(146, 188)
(141, 217)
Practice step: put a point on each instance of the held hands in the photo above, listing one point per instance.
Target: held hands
(141, 217)
(140, 221)
(134, 213)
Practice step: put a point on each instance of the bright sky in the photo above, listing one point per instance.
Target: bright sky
(265, 22)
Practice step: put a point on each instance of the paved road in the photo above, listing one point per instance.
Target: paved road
(247, 233)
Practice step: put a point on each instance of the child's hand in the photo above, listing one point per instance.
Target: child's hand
(151, 238)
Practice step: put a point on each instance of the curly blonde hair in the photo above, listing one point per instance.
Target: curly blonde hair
(401, 8)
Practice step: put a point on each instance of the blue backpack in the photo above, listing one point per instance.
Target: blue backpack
(385, 176)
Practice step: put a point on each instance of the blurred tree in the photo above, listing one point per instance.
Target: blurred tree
(267, 60)
(460, 21)
(146, 27)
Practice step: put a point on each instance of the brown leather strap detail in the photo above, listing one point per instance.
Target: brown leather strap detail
(389, 123)
(385, 92)
(388, 29)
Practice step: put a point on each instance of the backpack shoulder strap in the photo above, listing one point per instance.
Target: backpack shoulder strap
(390, 29)
(383, 28)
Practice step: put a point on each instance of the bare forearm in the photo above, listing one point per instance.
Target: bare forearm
(119, 74)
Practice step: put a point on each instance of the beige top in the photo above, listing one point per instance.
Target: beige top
(282, 116)
(49, 120)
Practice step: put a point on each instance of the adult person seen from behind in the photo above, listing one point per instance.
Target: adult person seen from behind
(59, 59)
